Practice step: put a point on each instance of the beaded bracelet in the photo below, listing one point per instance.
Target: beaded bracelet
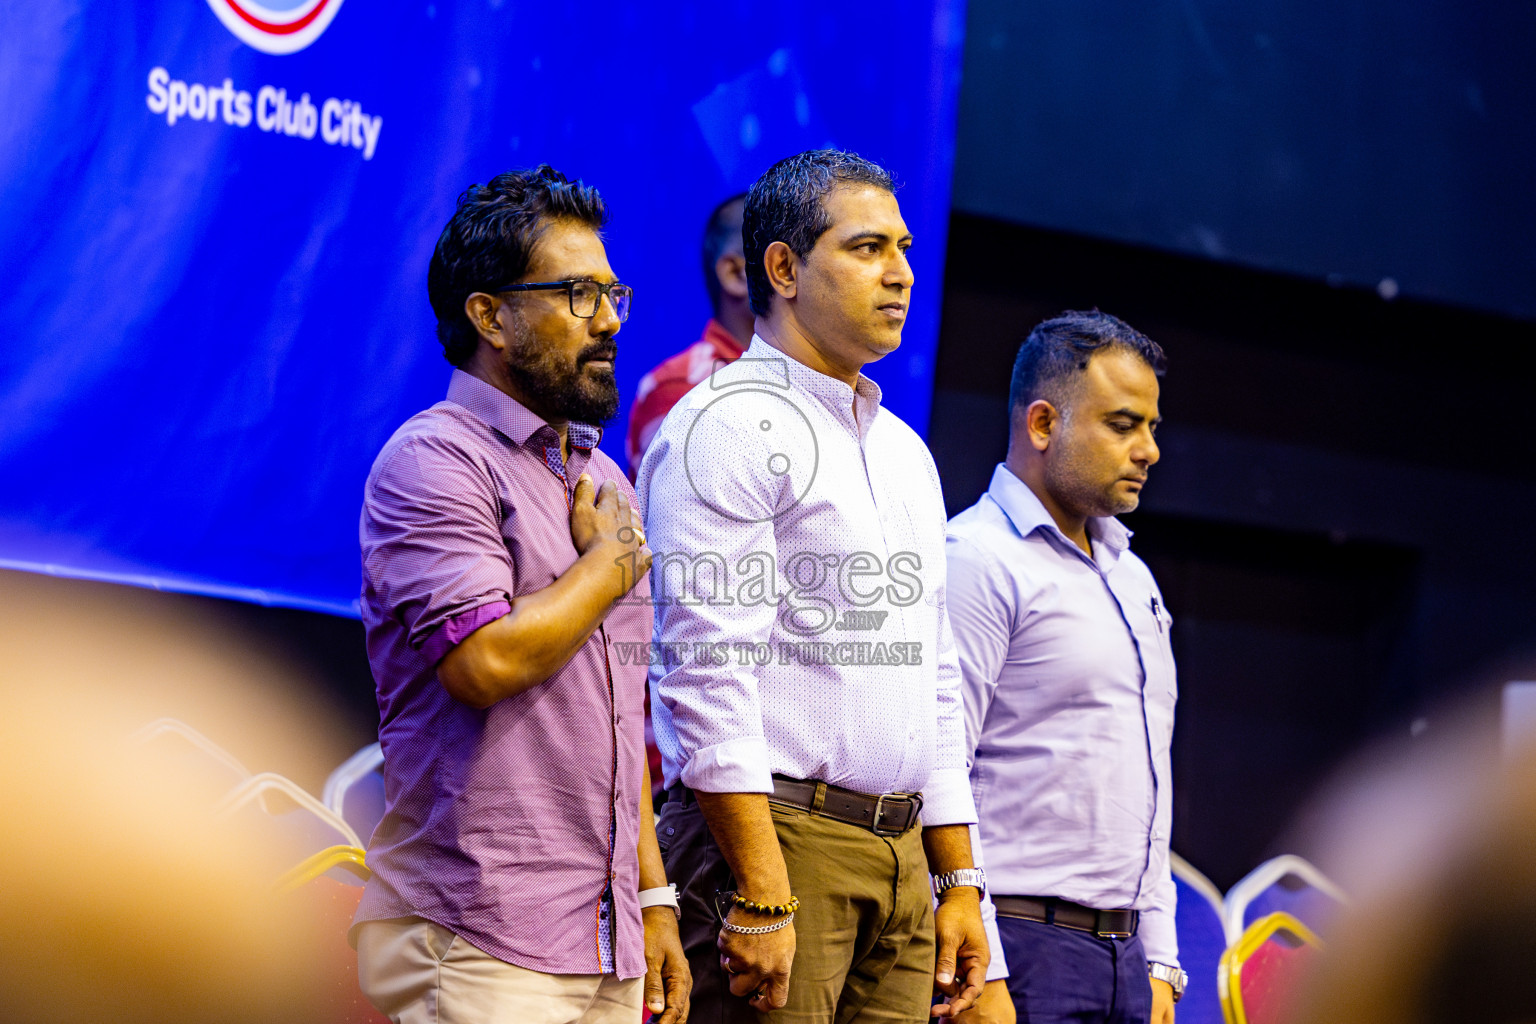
(777, 910)
(760, 929)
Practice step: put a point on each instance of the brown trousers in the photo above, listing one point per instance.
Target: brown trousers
(864, 949)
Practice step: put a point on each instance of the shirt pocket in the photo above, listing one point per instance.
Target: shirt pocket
(1167, 670)
(1153, 628)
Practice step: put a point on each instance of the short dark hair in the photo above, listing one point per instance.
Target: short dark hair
(785, 205)
(1060, 348)
(490, 238)
(721, 232)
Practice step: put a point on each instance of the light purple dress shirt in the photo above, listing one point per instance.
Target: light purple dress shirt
(516, 826)
(1069, 697)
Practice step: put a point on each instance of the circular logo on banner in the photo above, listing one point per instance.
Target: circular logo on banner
(277, 26)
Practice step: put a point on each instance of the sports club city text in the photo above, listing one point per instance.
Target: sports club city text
(338, 122)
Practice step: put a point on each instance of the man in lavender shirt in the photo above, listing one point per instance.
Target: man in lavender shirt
(516, 874)
(1069, 684)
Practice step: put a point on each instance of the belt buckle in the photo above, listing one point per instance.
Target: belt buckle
(1105, 933)
(874, 826)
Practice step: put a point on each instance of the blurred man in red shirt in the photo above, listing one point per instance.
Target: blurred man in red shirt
(726, 336)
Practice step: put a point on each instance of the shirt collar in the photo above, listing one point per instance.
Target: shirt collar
(1025, 510)
(509, 416)
(833, 393)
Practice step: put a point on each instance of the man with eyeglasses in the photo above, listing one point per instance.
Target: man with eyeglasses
(516, 874)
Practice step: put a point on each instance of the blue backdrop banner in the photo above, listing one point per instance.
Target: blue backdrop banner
(216, 217)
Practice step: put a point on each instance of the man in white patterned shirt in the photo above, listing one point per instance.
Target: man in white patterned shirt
(804, 683)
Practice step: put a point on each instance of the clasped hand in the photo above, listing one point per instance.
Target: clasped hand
(758, 964)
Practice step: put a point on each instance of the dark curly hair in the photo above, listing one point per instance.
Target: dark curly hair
(1059, 349)
(490, 238)
(784, 205)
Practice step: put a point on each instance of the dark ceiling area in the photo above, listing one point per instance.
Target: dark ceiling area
(1371, 143)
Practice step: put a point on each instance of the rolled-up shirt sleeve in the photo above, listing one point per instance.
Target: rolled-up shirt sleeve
(708, 522)
(433, 552)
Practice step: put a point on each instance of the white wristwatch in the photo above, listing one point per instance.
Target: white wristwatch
(1175, 977)
(662, 896)
(962, 876)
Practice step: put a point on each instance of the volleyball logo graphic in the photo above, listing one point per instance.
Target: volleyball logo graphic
(277, 26)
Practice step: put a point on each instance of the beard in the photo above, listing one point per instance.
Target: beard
(1073, 479)
(561, 390)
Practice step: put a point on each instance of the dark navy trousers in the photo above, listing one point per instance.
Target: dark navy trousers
(1060, 975)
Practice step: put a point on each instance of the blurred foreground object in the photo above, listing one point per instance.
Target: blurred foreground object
(1518, 709)
(330, 884)
(122, 898)
(1436, 842)
(305, 820)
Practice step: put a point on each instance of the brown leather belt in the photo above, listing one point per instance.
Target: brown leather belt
(1106, 924)
(889, 814)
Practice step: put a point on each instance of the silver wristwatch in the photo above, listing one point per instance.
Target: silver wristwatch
(962, 876)
(1175, 978)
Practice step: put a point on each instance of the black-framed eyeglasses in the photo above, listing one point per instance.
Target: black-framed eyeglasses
(586, 296)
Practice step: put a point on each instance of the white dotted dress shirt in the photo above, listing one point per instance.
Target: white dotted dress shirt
(1069, 698)
(798, 532)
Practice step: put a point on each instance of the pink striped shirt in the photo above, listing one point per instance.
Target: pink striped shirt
(514, 827)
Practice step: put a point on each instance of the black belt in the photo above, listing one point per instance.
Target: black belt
(889, 814)
(1106, 924)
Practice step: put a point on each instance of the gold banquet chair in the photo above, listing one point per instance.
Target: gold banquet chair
(329, 905)
(1259, 972)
